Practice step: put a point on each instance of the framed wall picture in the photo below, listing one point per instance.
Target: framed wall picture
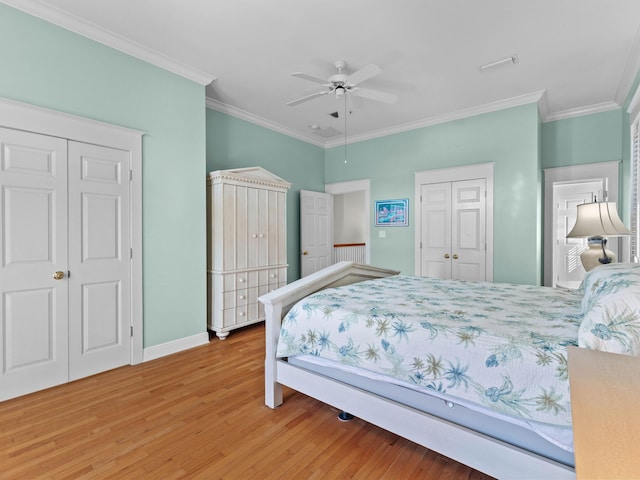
(392, 213)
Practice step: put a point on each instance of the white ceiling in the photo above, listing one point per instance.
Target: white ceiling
(575, 56)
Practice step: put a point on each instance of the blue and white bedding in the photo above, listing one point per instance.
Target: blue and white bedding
(499, 346)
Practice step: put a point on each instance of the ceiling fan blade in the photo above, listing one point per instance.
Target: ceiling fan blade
(311, 78)
(375, 95)
(308, 97)
(364, 74)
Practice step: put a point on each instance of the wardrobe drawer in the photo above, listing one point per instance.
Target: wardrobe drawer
(236, 298)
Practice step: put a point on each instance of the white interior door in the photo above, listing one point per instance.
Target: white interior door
(567, 264)
(453, 230)
(99, 259)
(468, 230)
(435, 236)
(315, 231)
(33, 245)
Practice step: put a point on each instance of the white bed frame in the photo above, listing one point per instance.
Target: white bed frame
(479, 451)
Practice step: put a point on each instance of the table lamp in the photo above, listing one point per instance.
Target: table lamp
(596, 221)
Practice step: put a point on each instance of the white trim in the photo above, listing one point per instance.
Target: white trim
(455, 174)
(364, 185)
(539, 97)
(94, 32)
(31, 118)
(469, 112)
(260, 121)
(634, 106)
(574, 173)
(578, 112)
(175, 346)
(448, 117)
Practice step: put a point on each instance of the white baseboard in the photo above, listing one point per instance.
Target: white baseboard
(175, 346)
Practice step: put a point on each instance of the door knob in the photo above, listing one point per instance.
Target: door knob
(446, 255)
(58, 275)
(455, 256)
(305, 253)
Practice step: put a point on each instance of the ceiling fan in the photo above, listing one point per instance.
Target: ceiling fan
(341, 84)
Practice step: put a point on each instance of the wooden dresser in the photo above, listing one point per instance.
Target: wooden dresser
(247, 251)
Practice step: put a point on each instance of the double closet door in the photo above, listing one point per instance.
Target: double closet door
(453, 230)
(65, 261)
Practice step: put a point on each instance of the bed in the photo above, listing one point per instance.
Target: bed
(481, 381)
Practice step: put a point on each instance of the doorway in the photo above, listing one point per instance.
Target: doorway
(565, 188)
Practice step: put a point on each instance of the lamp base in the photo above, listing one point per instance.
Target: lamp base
(597, 254)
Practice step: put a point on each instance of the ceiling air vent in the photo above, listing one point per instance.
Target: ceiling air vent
(327, 132)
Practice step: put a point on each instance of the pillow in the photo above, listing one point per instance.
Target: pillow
(605, 280)
(611, 307)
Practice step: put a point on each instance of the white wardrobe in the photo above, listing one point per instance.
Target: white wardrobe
(247, 251)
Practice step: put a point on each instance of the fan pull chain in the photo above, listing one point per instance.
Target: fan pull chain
(345, 128)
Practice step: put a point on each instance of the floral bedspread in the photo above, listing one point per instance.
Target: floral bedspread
(499, 345)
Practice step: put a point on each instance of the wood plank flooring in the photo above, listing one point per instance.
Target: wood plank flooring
(199, 414)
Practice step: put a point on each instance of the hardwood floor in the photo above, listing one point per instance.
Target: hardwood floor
(199, 414)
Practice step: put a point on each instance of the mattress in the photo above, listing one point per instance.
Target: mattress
(507, 429)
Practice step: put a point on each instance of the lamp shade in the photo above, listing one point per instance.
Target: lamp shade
(598, 219)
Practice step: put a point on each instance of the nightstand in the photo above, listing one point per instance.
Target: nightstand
(605, 399)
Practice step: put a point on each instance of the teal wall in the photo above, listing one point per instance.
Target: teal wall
(235, 143)
(509, 138)
(51, 67)
(585, 139)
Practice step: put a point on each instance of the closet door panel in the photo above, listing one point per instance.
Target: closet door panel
(468, 230)
(33, 247)
(436, 230)
(99, 259)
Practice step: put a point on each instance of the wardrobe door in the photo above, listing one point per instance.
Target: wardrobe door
(33, 264)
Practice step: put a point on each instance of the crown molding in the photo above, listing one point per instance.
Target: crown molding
(92, 31)
(534, 97)
(260, 121)
(539, 97)
(578, 112)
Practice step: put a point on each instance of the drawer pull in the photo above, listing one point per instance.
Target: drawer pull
(241, 280)
(241, 297)
(241, 314)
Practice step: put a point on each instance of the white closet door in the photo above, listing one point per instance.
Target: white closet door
(33, 246)
(468, 230)
(436, 230)
(99, 259)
